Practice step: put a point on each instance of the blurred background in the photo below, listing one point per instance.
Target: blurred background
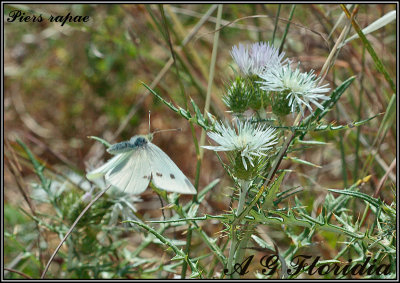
(65, 83)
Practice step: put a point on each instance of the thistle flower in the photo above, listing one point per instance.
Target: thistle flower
(257, 58)
(297, 88)
(246, 139)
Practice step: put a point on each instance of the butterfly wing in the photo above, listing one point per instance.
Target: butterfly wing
(132, 175)
(166, 175)
(102, 170)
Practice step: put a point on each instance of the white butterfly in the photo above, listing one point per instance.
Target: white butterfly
(138, 161)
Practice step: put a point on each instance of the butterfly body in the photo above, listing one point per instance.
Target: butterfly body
(136, 142)
(137, 162)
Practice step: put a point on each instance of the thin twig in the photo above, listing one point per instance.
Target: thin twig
(26, 118)
(44, 146)
(384, 178)
(18, 272)
(266, 16)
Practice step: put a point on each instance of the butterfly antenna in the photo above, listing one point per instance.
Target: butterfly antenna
(149, 120)
(169, 130)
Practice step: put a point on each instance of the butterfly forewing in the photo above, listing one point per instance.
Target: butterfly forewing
(166, 175)
(133, 174)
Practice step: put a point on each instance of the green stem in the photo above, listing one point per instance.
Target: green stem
(244, 187)
(231, 251)
(276, 23)
(211, 75)
(215, 262)
(287, 28)
(187, 250)
(243, 243)
(198, 148)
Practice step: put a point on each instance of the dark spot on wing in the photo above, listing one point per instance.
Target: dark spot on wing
(158, 174)
(188, 182)
(146, 177)
(172, 176)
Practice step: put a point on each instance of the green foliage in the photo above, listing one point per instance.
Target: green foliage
(65, 85)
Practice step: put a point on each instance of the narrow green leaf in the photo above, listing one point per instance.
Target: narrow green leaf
(378, 63)
(389, 116)
(169, 104)
(104, 142)
(36, 165)
(276, 23)
(285, 194)
(328, 104)
(199, 116)
(287, 27)
(301, 161)
(182, 112)
(297, 140)
(374, 201)
(379, 23)
(272, 192)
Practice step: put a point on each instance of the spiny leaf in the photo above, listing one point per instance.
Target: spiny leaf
(169, 104)
(273, 191)
(329, 127)
(307, 221)
(374, 201)
(198, 119)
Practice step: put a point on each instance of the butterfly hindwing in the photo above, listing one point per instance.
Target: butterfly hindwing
(102, 170)
(166, 175)
(132, 175)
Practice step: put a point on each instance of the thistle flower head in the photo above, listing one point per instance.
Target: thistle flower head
(299, 88)
(247, 139)
(256, 58)
(237, 96)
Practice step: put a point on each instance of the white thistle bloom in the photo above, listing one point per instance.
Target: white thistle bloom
(302, 88)
(256, 58)
(247, 138)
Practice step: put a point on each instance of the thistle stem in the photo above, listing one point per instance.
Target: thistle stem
(244, 187)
